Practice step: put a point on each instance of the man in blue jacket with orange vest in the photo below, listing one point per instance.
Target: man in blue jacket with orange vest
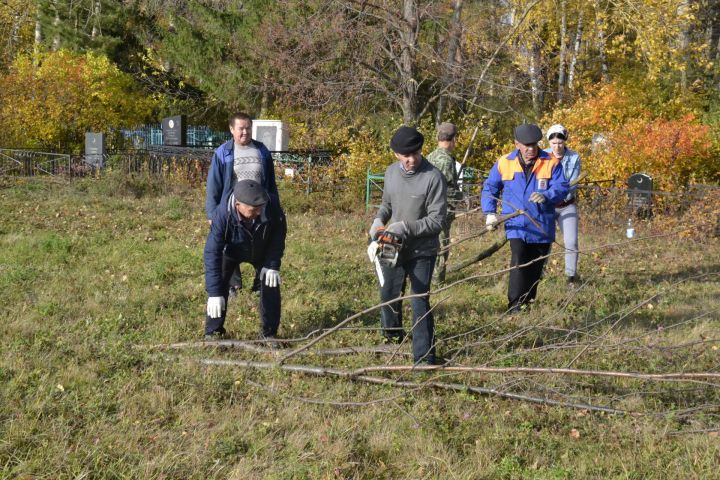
(533, 181)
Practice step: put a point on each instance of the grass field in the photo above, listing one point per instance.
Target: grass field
(95, 275)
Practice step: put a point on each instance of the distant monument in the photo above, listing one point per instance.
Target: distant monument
(174, 131)
(95, 149)
(640, 188)
(273, 133)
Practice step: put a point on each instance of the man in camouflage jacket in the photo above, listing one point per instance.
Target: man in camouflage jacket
(444, 161)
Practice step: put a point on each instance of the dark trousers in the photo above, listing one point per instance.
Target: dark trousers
(419, 270)
(524, 281)
(269, 300)
(236, 278)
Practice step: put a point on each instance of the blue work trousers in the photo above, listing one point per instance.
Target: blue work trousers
(419, 270)
(269, 300)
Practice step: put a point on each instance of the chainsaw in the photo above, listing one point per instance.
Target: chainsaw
(389, 246)
(384, 250)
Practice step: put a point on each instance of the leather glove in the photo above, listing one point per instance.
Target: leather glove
(490, 221)
(372, 251)
(215, 307)
(398, 228)
(377, 223)
(272, 277)
(537, 197)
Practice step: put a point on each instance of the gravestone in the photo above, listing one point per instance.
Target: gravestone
(174, 131)
(273, 133)
(640, 188)
(95, 149)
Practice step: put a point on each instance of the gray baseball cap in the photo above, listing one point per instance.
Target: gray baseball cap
(250, 193)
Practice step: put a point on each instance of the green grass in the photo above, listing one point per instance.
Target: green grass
(91, 270)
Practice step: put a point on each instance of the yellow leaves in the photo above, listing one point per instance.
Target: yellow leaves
(56, 97)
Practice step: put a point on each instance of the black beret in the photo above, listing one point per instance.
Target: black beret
(250, 193)
(406, 140)
(527, 133)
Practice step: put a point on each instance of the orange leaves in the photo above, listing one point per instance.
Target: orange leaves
(673, 149)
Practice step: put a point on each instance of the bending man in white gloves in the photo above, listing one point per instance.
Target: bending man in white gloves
(248, 226)
(414, 206)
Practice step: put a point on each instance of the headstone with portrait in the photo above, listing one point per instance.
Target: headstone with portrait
(174, 131)
(95, 149)
(640, 188)
(273, 133)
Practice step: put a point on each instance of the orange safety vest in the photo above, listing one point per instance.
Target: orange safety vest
(508, 167)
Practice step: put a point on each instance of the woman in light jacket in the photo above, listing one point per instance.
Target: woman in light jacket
(566, 210)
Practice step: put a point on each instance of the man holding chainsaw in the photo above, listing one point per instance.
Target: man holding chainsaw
(405, 240)
(530, 180)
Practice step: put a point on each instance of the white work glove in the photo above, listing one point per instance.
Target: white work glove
(490, 221)
(377, 223)
(537, 197)
(372, 251)
(398, 228)
(215, 307)
(272, 277)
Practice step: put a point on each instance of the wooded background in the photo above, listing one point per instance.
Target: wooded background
(640, 75)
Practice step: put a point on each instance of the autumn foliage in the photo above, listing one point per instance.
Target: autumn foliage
(632, 136)
(51, 100)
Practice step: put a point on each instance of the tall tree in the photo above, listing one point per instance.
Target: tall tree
(450, 67)
(16, 28)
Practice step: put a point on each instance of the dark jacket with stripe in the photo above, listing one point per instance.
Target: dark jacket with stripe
(262, 245)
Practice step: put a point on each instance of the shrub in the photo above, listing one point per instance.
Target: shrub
(50, 100)
(640, 137)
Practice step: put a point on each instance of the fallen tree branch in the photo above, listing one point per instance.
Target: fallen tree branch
(623, 316)
(690, 432)
(337, 327)
(480, 256)
(483, 231)
(543, 371)
(254, 347)
(319, 371)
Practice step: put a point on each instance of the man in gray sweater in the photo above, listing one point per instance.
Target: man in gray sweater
(414, 207)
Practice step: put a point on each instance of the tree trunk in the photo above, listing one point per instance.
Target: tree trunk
(684, 40)
(95, 14)
(601, 43)
(535, 73)
(575, 54)
(14, 37)
(449, 67)
(38, 33)
(563, 51)
(265, 97)
(38, 40)
(408, 43)
(56, 24)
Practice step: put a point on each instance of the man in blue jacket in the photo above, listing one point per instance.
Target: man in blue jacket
(533, 181)
(248, 226)
(241, 158)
